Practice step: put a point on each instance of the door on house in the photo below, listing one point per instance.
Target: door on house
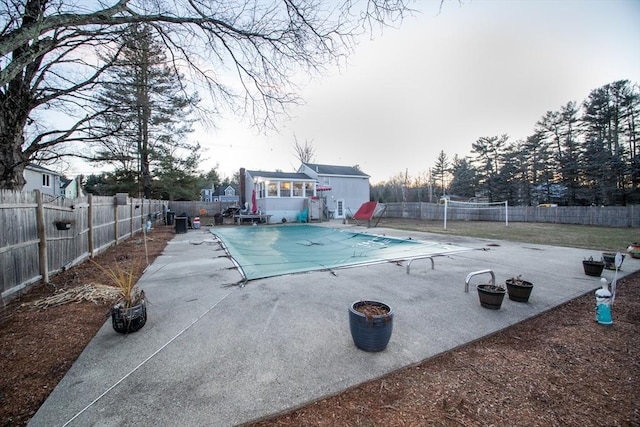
(339, 208)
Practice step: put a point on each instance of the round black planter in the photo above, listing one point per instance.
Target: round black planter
(593, 268)
(370, 333)
(519, 291)
(491, 296)
(129, 320)
(609, 259)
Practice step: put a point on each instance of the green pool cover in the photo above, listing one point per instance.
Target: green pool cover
(275, 250)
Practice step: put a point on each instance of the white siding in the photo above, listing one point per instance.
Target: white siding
(35, 181)
(353, 190)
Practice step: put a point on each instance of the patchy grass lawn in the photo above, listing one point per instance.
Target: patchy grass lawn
(568, 235)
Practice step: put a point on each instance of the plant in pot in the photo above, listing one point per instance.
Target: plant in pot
(519, 290)
(491, 295)
(129, 314)
(634, 250)
(63, 225)
(609, 259)
(371, 324)
(592, 267)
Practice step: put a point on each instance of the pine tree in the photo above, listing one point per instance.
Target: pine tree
(463, 182)
(148, 107)
(440, 171)
(489, 158)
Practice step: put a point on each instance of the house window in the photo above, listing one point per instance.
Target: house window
(298, 189)
(285, 189)
(229, 192)
(272, 189)
(46, 180)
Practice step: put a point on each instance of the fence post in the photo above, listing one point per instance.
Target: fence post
(115, 218)
(145, 214)
(42, 236)
(90, 224)
(131, 213)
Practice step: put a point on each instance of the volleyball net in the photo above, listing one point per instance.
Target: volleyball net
(475, 211)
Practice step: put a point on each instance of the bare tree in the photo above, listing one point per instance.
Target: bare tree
(53, 54)
(305, 153)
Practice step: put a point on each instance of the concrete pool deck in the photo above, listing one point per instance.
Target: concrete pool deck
(214, 353)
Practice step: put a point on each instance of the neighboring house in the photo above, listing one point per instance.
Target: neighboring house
(344, 188)
(338, 190)
(43, 179)
(72, 188)
(227, 194)
(206, 194)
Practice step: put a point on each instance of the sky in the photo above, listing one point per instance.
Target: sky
(439, 82)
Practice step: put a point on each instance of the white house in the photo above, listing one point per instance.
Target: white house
(43, 179)
(344, 188)
(327, 191)
(72, 188)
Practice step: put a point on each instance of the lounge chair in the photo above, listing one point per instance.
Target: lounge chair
(366, 213)
(304, 215)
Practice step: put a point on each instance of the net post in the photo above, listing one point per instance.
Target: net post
(445, 213)
(506, 213)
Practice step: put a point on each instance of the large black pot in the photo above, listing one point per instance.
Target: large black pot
(491, 296)
(609, 259)
(126, 320)
(372, 332)
(593, 268)
(519, 290)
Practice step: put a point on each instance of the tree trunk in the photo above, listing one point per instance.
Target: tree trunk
(12, 159)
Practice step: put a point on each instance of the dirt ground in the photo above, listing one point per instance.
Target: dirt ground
(561, 368)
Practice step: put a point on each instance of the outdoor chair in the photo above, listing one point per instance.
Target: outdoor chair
(304, 215)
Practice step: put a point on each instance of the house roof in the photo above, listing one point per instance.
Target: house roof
(281, 175)
(64, 182)
(335, 170)
(220, 191)
(39, 168)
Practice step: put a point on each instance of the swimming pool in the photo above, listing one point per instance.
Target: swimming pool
(275, 250)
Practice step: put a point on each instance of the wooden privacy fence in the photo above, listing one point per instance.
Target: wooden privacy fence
(40, 237)
(602, 216)
(203, 209)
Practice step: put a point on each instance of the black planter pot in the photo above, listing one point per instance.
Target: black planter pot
(593, 268)
(126, 320)
(370, 333)
(519, 291)
(609, 259)
(61, 225)
(491, 296)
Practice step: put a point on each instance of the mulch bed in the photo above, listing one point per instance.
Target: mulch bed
(561, 368)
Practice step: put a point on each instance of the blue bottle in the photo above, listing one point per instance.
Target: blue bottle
(603, 304)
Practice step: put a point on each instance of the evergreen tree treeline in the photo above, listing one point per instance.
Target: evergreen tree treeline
(586, 154)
